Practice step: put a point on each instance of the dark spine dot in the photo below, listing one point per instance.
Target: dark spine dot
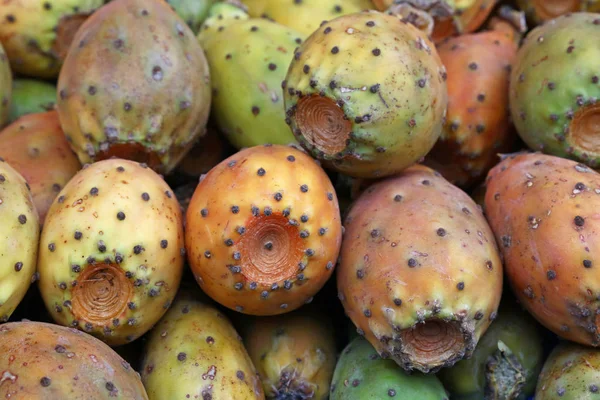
(412, 262)
(22, 219)
(77, 235)
(441, 232)
(45, 381)
(235, 209)
(164, 243)
(181, 356)
(587, 263)
(579, 221)
(51, 247)
(376, 52)
(94, 191)
(335, 50)
(145, 196)
(18, 266)
(460, 285)
(255, 110)
(120, 215)
(261, 172)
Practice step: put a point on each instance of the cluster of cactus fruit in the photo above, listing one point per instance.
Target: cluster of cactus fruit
(299, 199)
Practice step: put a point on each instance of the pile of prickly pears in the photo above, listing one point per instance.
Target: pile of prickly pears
(300, 199)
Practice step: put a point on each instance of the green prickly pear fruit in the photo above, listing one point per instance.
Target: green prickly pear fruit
(36, 147)
(362, 374)
(5, 87)
(47, 361)
(193, 12)
(248, 59)
(263, 230)
(554, 110)
(112, 251)
(371, 118)
(31, 96)
(37, 33)
(195, 352)
(539, 11)
(146, 97)
(20, 238)
(419, 274)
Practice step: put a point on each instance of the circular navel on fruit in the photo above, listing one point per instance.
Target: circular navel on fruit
(584, 131)
(433, 342)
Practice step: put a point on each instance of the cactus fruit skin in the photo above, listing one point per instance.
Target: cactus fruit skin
(294, 353)
(19, 239)
(53, 362)
(419, 273)
(112, 251)
(195, 352)
(366, 121)
(35, 145)
(263, 230)
(36, 34)
(248, 59)
(557, 113)
(539, 11)
(362, 374)
(193, 12)
(5, 87)
(31, 96)
(542, 210)
(147, 98)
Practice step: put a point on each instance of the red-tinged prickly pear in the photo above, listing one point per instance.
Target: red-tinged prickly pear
(420, 274)
(36, 147)
(555, 110)
(5, 87)
(193, 12)
(134, 85)
(543, 211)
(193, 352)
(539, 11)
(263, 230)
(112, 251)
(372, 118)
(248, 59)
(20, 237)
(47, 361)
(37, 33)
(31, 96)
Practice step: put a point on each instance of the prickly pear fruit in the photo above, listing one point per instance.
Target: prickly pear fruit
(5, 87)
(193, 12)
(556, 111)
(146, 98)
(37, 33)
(112, 251)
(20, 237)
(304, 16)
(362, 374)
(248, 59)
(539, 11)
(543, 210)
(263, 230)
(194, 352)
(294, 353)
(372, 118)
(31, 96)
(48, 361)
(36, 147)
(420, 273)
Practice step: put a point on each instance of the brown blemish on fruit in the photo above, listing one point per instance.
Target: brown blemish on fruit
(584, 131)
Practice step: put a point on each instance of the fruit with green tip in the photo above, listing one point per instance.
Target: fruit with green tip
(539, 11)
(194, 351)
(112, 251)
(48, 361)
(5, 87)
(193, 12)
(419, 274)
(146, 98)
(556, 111)
(31, 96)
(371, 118)
(263, 230)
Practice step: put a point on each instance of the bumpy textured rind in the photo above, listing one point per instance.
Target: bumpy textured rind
(366, 94)
(420, 274)
(134, 85)
(35, 145)
(5, 87)
(193, 12)
(47, 361)
(543, 211)
(195, 352)
(263, 230)
(37, 33)
(248, 60)
(19, 238)
(362, 374)
(31, 96)
(539, 11)
(554, 110)
(112, 251)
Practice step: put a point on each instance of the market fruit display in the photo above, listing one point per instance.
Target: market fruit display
(31, 96)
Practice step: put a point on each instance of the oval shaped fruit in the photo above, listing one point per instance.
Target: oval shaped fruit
(5, 87)
(263, 230)
(31, 96)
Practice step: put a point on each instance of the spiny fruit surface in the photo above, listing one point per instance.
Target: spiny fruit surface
(555, 110)
(37, 33)
(193, 12)
(369, 118)
(263, 230)
(35, 145)
(112, 251)
(362, 374)
(248, 59)
(295, 354)
(19, 238)
(5, 87)
(543, 210)
(420, 273)
(540, 11)
(134, 85)
(47, 361)
(31, 96)
(571, 372)
(195, 352)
